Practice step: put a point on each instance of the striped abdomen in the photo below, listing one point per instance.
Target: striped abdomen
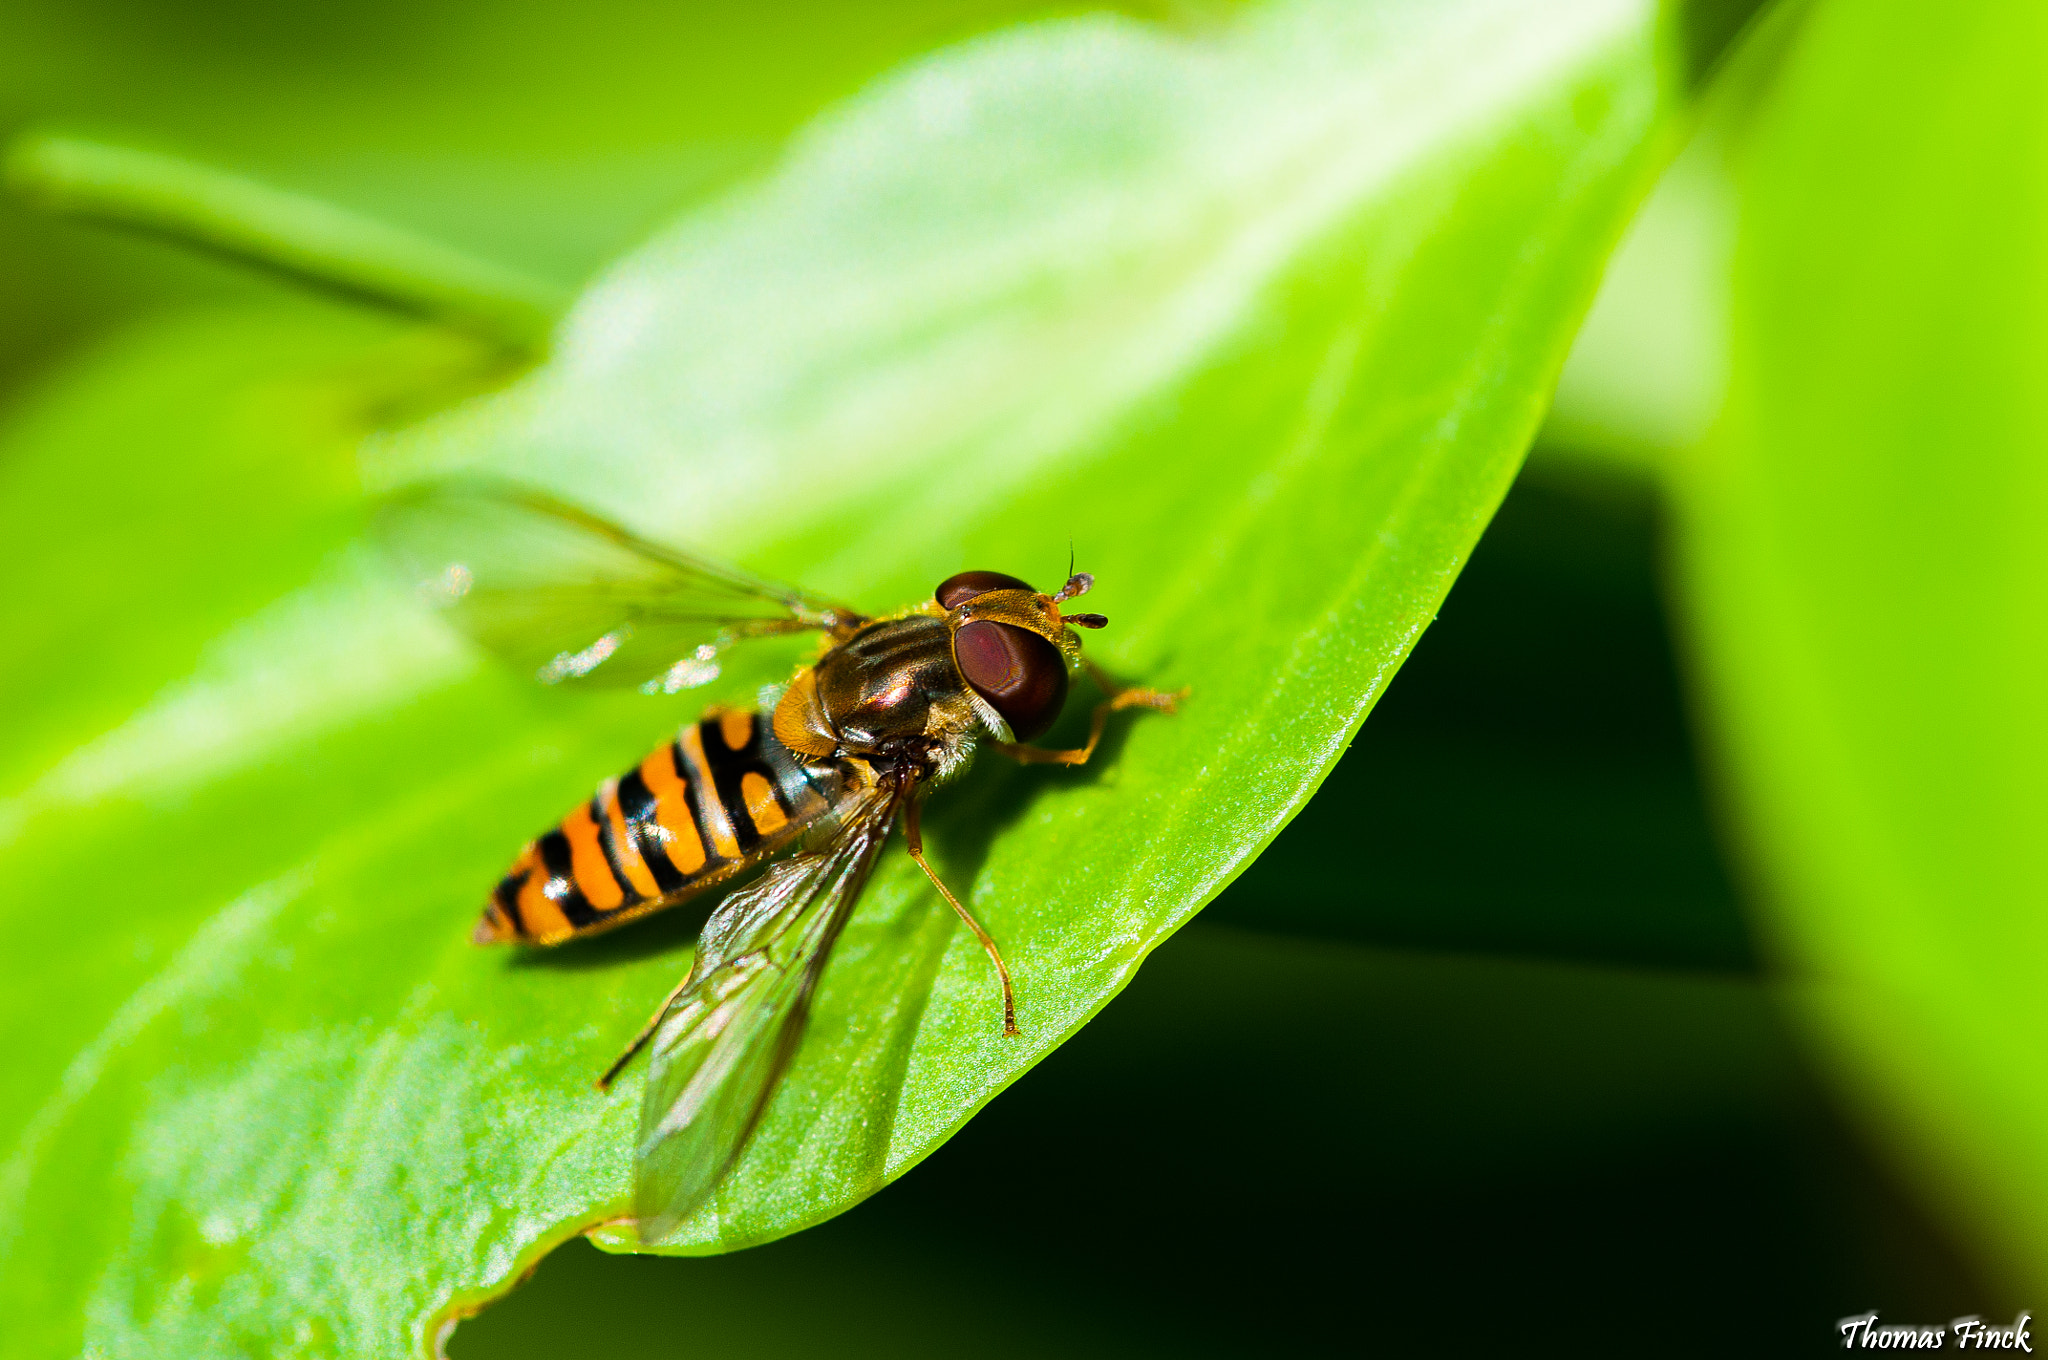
(720, 797)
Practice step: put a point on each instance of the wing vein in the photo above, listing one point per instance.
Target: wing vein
(720, 1049)
(569, 596)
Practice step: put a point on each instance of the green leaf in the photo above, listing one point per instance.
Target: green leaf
(300, 237)
(1864, 548)
(1260, 319)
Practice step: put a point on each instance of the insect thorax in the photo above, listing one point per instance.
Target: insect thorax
(891, 690)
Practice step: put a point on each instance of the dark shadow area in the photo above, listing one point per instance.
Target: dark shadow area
(1707, 31)
(1527, 784)
(1286, 1147)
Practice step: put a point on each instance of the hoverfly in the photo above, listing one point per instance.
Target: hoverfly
(892, 706)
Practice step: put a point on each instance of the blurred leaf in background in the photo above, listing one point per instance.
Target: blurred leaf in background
(549, 138)
(1265, 315)
(1865, 561)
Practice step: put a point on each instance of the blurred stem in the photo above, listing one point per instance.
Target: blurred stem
(308, 240)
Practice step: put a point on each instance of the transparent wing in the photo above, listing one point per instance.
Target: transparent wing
(569, 596)
(725, 1040)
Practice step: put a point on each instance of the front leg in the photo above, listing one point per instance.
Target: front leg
(1130, 696)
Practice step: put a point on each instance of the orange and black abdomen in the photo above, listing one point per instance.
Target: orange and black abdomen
(720, 797)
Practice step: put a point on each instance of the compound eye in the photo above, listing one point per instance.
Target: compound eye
(1022, 676)
(958, 589)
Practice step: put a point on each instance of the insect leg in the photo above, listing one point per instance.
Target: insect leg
(1130, 696)
(611, 1074)
(915, 836)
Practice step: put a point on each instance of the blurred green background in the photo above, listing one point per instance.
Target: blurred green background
(1510, 925)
